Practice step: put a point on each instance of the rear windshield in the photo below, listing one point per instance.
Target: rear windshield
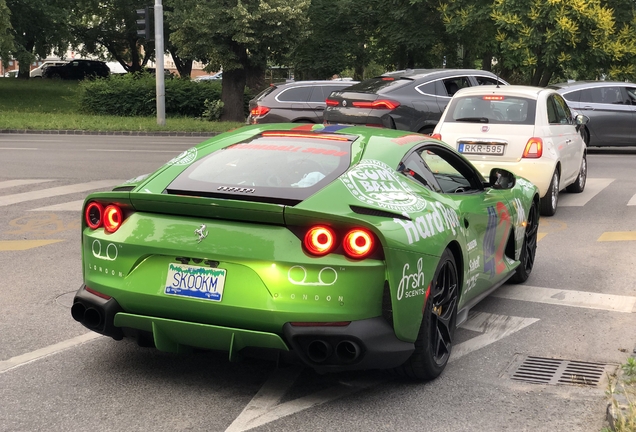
(492, 109)
(265, 92)
(277, 168)
(380, 84)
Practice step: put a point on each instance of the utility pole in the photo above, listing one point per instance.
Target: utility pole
(159, 72)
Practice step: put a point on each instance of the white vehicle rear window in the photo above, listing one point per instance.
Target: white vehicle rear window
(492, 109)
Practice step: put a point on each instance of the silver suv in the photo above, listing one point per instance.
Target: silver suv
(295, 102)
(611, 107)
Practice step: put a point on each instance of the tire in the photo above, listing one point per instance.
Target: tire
(529, 247)
(434, 340)
(585, 134)
(579, 184)
(551, 199)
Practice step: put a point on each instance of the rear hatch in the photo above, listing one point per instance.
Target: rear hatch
(363, 103)
(223, 218)
(487, 127)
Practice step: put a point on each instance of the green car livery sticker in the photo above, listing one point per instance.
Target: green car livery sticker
(185, 158)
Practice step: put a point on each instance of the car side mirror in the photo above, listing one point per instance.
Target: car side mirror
(502, 179)
(581, 119)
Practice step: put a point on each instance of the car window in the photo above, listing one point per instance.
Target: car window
(265, 92)
(606, 95)
(482, 80)
(275, 165)
(294, 94)
(557, 113)
(496, 109)
(318, 94)
(574, 96)
(631, 95)
(440, 169)
(452, 85)
(379, 84)
(429, 88)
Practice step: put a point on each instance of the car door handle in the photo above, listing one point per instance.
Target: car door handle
(587, 107)
(319, 107)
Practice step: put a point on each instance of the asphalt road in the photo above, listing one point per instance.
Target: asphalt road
(578, 305)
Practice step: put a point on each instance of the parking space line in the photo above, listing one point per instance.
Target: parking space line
(14, 183)
(593, 187)
(21, 360)
(68, 206)
(617, 236)
(632, 202)
(581, 299)
(56, 191)
(20, 245)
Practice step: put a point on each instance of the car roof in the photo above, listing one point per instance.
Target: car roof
(507, 90)
(435, 73)
(316, 82)
(575, 85)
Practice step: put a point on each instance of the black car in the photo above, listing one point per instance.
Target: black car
(611, 107)
(412, 99)
(297, 102)
(77, 70)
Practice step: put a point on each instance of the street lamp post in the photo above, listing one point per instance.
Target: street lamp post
(159, 70)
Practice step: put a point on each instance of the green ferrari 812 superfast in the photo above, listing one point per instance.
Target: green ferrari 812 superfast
(340, 247)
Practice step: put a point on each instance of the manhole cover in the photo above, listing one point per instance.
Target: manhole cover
(561, 372)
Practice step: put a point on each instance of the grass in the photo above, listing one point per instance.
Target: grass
(622, 395)
(41, 104)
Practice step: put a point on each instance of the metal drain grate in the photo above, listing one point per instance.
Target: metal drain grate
(564, 372)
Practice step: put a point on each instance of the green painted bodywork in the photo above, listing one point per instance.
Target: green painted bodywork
(270, 279)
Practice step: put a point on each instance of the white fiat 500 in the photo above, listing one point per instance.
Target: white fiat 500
(527, 130)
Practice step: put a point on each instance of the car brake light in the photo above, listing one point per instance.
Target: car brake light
(436, 136)
(378, 104)
(113, 218)
(494, 98)
(358, 243)
(259, 111)
(93, 214)
(331, 102)
(388, 79)
(534, 148)
(320, 240)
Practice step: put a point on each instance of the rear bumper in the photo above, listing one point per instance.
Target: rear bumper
(363, 344)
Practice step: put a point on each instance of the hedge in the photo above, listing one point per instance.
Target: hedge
(134, 95)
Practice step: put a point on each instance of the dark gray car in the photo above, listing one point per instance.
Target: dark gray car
(611, 107)
(412, 100)
(296, 102)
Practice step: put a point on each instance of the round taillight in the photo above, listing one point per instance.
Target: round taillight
(113, 217)
(320, 240)
(93, 215)
(358, 243)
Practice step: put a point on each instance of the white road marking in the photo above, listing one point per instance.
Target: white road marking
(493, 327)
(21, 360)
(14, 183)
(265, 408)
(69, 206)
(18, 148)
(632, 202)
(592, 188)
(582, 299)
(131, 150)
(56, 191)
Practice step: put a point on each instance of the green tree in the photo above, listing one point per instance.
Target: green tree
(39, 27)
(237, 36)
(6, 37)
(547, 38)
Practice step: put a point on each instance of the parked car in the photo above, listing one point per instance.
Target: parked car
(337, 245)
(529, 131)
(38, 71)
(297, 101)
(77, 70)
(411, 100)
(610, 106)
(213, 77)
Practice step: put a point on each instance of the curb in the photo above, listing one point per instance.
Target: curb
(122, 133)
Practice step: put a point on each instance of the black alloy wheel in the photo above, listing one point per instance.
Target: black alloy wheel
(437, 330)
(529, 247)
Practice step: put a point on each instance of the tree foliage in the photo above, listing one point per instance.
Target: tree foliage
(237, 36)
(6, 37)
